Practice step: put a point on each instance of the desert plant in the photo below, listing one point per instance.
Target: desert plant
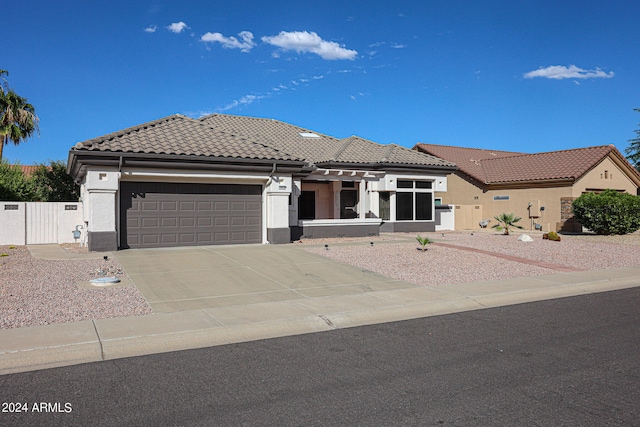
(424, 241)
(609, 212)
(506, 221)
(552, 235)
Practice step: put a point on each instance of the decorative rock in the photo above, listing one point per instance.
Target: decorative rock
(525, 238)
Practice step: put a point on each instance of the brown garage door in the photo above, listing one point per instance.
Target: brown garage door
(178, 214)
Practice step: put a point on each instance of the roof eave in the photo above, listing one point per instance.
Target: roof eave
(540, 183)
(385, 166)
(80, 159)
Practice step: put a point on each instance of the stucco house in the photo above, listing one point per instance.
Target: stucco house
(225, 179)
(538, 187)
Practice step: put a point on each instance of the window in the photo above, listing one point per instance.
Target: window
(424, 184)
(404, 206)
(385, 205)
(414, 200)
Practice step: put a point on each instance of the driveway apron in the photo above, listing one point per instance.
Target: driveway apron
(177, 279)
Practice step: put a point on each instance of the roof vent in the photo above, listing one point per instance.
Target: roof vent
(309, 135)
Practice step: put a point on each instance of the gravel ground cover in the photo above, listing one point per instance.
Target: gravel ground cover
(40, 292)
(441, 265)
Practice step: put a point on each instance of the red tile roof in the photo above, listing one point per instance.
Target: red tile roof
(28, 170)
(499, 167)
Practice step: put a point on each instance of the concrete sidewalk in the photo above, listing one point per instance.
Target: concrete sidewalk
(42, 347)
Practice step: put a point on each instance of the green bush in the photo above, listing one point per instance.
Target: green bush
(609, 212)
(14, 186)
(49, 183)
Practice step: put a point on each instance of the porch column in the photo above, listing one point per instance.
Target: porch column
(278, 192)
(100, 210)
(362, 199)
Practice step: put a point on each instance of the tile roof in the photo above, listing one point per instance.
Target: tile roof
(28, 170)
(321, 149)
(180, 135)
(467, 159)
(497, 167)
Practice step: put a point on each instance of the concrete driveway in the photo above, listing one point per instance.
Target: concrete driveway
(178, 279)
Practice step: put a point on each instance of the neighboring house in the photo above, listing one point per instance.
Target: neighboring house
(538, 187)
(225, 179)
(29, 170)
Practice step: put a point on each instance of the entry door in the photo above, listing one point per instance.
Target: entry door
(348, 204)
(307, 205)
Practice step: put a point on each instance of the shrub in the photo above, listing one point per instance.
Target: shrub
(552, 235)
(609, 212)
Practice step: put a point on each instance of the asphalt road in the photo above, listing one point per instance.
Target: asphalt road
(571, 361)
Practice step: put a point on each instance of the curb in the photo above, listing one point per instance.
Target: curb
(43, 347)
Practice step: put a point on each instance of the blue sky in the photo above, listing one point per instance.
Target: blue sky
(504, 75)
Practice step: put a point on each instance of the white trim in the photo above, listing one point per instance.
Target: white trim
(334, 222)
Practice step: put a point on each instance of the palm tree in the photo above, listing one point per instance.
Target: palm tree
(506, 221)
(18, 120)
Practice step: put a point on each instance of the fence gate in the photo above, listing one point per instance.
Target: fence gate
(42, 223)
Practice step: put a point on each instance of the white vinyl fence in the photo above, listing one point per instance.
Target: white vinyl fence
(31, 223)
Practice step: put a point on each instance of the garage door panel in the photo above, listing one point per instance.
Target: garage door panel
(169, 206)
(187, 222)
(254, 236)
(221, 206)
(238, 221)
(149, 239)
(205, 222)
(205, 206)
(150, 222)
(187, 238)
(204, 238)
(149, 206)
(254, 207)
(254, 221)
(168, 222)
(238, 206)
(222, 221)
(174, 214)
(221, 237)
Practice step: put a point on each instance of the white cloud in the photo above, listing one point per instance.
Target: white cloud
(177, 27)
(304, 41)
(245, 44)
(151, 29)
(398, 46)
(245, 100)
(558, 72)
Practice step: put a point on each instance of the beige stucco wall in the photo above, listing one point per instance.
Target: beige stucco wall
(324, 198)
(463, 193)
(605, 175)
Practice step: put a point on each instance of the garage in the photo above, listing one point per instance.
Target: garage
(161, 214)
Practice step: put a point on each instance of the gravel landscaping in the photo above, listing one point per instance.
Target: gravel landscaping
(40, 292)
(398, 256)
